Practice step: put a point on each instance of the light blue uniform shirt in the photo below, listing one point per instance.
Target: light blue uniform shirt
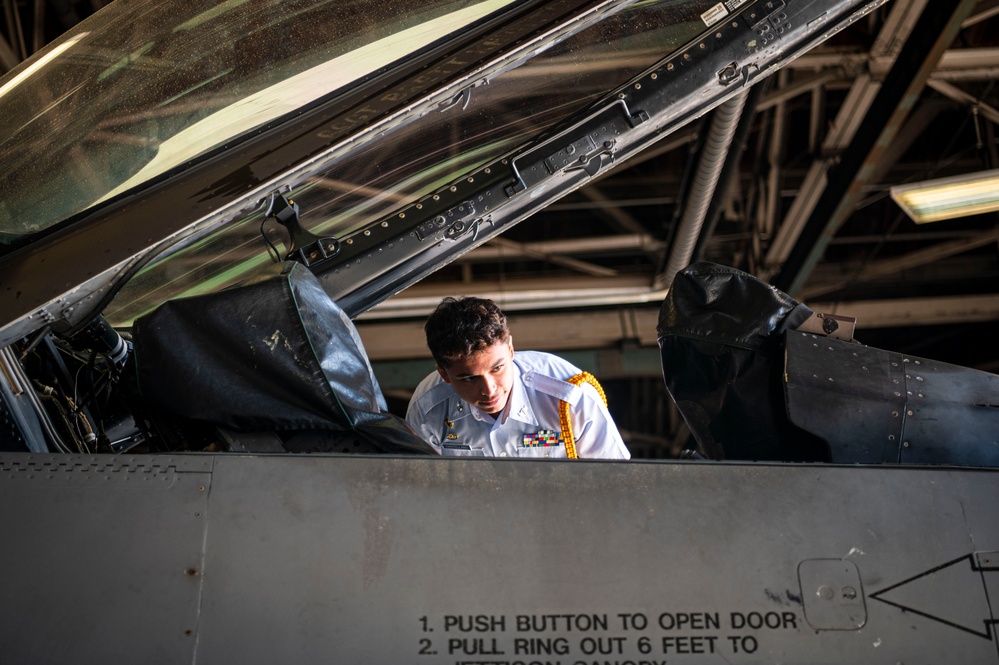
(529, 426)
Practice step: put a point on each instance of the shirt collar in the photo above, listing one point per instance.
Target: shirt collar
(518, 406)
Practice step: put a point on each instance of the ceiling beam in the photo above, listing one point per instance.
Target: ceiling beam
(937, 26)
(958, 63)
(621, 218)
(642, 242)
(512, 295)
(911, 260)
(615, 328)
(539, 331)
(525, 250)
(905, 312)
(799, 86)
(982, 15)
(961, 97)
(858, 101)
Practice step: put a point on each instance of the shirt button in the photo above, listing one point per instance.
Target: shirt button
(503, 454)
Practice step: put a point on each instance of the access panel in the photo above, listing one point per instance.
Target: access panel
(475, 562)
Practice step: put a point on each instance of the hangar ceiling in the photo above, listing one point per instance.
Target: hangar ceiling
(806, 206)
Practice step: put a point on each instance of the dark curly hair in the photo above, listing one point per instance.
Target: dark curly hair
(460, 327)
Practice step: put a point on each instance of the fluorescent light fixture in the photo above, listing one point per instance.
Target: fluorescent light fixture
(947, 198)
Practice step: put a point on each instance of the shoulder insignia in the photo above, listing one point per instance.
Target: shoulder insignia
(435, 396)
(557, 388)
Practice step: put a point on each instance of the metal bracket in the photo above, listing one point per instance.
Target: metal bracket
(768, 20)
(831, 325)
(452, 222)
(588, 145)
(303, 246)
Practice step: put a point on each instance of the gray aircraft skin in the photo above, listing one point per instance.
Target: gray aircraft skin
(123, 545)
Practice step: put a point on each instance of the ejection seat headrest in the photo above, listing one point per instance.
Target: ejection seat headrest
(274, 354)
(720, 341)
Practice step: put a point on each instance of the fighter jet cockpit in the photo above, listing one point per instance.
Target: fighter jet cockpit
(156, 160)
(155, 154)
(204, 209)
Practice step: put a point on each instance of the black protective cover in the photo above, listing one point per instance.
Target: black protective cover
(721, 342)
(276, 354)
(752, 387)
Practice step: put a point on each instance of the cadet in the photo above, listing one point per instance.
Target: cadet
(486, 401)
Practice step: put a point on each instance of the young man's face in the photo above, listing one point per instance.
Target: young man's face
(483, 378)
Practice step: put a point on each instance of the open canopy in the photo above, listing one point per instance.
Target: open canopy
(140, 154)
